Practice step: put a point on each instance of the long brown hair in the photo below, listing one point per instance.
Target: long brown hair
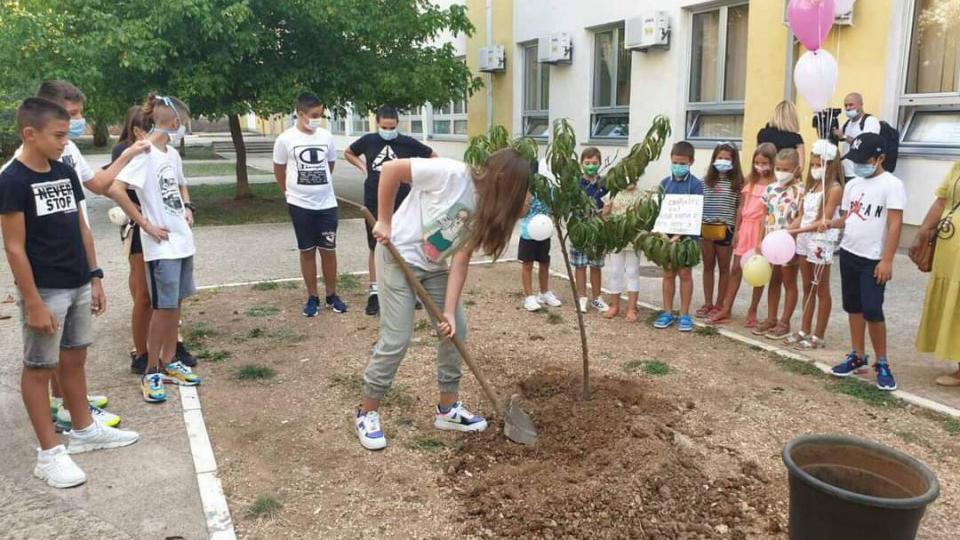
(502, 185)
(134, 119)
(768, 151)
(735, 175)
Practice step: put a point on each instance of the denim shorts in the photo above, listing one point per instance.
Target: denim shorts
(71, 309)
(169, 281)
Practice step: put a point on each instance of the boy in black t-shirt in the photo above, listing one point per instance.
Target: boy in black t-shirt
(378, 148)
(51, 255)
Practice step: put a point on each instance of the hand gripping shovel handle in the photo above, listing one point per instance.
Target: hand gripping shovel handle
(435, 312)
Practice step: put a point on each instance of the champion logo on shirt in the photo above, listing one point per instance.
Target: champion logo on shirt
(311, 165)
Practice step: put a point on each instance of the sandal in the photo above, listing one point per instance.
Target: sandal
(794, 339)
(751, 321)
(715, 318)
(764, 327)
(779, 331)
(704, 311)
(810, 343)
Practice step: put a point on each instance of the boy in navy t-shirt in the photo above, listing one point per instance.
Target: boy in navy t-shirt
(594, 187)
(51, 255)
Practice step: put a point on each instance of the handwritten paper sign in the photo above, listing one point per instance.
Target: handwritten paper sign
(680, 214)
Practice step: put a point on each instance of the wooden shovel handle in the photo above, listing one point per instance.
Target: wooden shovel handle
(435, 312)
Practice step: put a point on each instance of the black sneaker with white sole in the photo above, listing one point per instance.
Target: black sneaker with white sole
(373, 305)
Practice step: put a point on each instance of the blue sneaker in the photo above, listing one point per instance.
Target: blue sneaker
(369, 431)
(458, 418)
(336, 304)
(665, 320)
(685, 324)
(885, 380)
(851, 365)
(312, 307)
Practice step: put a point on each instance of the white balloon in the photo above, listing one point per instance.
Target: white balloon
(843, 7)
(540, 227)
(117, 216)
(816, 78)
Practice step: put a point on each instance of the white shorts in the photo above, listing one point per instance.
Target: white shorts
(818, 248)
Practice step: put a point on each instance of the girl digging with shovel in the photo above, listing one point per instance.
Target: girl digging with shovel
(451, 212)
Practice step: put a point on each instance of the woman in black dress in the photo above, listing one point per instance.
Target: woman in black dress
(783, 130)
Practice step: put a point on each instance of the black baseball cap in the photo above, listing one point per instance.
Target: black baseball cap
(866, 146)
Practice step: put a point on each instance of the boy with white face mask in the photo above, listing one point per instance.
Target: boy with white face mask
(303, 160)
(377, 150)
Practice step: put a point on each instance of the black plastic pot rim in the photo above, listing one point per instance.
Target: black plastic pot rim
(933, 489)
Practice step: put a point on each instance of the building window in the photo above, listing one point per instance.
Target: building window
(450, 119)
(536, 94)
(930, 102)
(411, 122)
(610, 117)
(338, 124)
(718, 73)
(359, 123)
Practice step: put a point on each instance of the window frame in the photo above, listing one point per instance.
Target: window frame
(600, 112)
(355, 117)
(436, 114)
(911, 105)
(405, 122)
(541, 111)
(695, 111)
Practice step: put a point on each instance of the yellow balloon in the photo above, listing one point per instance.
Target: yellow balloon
(757, 271)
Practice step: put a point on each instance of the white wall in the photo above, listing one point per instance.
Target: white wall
(658, 77)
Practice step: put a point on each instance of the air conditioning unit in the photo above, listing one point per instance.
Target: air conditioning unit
(556, 48)
(493, 59)
(842, 17)
(647, 31)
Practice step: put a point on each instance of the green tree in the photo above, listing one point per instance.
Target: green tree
(574, 214)
(232, 57)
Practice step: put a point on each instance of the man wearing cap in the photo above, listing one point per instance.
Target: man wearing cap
(857, 122)
(873, 201)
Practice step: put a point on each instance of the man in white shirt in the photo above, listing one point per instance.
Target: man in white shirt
(857, 122)
(303, 159)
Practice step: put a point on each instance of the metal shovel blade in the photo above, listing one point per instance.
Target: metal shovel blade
(518, 426)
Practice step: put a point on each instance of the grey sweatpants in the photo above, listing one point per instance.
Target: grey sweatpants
(397, 315)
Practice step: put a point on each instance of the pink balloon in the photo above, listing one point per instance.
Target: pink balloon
(811, 21)
(746, 257)
(779, 247)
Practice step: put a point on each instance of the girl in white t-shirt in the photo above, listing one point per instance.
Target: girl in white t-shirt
(451, 212)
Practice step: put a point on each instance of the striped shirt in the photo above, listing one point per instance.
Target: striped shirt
(720, 203)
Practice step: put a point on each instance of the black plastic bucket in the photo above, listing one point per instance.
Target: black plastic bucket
(845, 488)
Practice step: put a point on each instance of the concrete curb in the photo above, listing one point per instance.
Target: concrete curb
(913, 399)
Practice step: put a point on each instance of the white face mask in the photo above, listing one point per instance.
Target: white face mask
(314, 123)
(817, 172)
(175, 135)
(783, 177)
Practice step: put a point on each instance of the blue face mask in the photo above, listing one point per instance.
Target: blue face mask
(389, 134)
(77, 126)
(679, 170)
(864, 170)
(852, 113)
(723, 165)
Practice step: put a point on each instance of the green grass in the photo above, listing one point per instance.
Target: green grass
(213, 356)
(655, 368)
(273, 285)
(200, 152)
(469, 302)
(866, 392)
(952, 425)
(397, 395)
(192, 170)
(349, 282)
(256, 333)
(264, 506)
(194, 334)
(216, 205)
(262, 311)
(708, 331)
(554, 318)
(796, 366)
(422, 325)
(427, 444)
(255, 372)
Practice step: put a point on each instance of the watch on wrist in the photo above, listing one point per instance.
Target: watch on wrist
(96, 273)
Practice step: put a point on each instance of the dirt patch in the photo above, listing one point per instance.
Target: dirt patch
(681, 437)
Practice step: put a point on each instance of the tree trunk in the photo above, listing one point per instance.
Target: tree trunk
(101, 134)
(576, 307)
(243, 183)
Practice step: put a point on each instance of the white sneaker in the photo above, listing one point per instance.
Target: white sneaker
(583, 304)
(56, 467)
(549, 299)
(97, 437)
(599, 304)
(369, 431)
(459, 419)
(64, 422)
(530, 303)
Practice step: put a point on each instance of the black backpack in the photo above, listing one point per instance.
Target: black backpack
(891, 142)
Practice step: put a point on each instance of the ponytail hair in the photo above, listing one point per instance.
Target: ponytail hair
(135, 119)
(163, 107)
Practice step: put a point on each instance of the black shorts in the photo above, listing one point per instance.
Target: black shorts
(861, 292)
(370, 201)
(315, 228)
(534, 251)
(136, 245)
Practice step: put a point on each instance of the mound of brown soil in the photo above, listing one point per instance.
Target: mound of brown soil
(616, 466)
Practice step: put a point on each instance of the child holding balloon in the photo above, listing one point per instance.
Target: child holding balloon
(625, 265)
(749, 230)
(821, 203)
(783, 204)
(535, 248)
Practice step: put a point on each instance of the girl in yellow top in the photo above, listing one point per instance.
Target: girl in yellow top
(940, 326)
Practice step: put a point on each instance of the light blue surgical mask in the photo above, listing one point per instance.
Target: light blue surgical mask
(864, 170)
(679, 170)
(852, 113)
(723, 165)
(389, 134)
(77, 127)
